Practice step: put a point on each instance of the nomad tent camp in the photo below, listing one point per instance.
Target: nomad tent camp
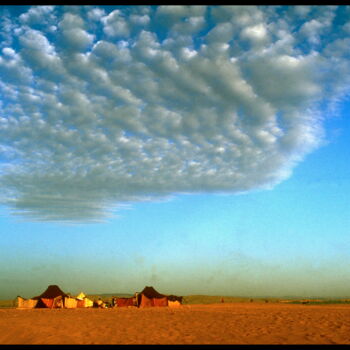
(54, 298)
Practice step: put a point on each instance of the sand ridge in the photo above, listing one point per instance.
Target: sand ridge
(226, 323)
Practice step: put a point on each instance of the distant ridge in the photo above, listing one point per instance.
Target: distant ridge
(112, 294)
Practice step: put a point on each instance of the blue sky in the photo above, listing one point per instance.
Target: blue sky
(201, 150)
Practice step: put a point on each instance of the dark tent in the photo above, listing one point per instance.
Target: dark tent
(52, 297)
(51, 292)
(150, 297)
(150, 292)
(147, 295)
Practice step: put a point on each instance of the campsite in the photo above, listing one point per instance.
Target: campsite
(150, 317)
(54, 298)
(174, 174)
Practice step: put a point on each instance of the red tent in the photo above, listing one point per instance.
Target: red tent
(150, 297)
(124, 302)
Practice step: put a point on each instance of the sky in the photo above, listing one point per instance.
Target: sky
(197, 149)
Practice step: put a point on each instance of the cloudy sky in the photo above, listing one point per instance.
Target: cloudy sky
(198, 149)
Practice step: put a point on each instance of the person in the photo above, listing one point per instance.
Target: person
(100, 303)
(136, 299)
(222, 300)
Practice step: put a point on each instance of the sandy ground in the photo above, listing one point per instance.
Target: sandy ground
(237, 323)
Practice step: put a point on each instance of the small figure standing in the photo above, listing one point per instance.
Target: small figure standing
(222, 300)
(114, 302)
(100, 303)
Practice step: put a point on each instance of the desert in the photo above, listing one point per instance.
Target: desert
(219, 323)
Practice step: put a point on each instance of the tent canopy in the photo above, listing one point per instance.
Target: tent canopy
(81, 296)
(51, 292)
(150, 292)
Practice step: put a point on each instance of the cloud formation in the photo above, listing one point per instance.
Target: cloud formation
(102, 107)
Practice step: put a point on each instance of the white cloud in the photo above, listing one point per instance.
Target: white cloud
(7, 27)
(181, 20)
(77, 38)
(238, 15)
(96, 14)
(191, 25)
(35, 40)
(72, 33)
(115, 25)
(36, 14)
(8, 51)
(140, 20)
(256, 33)
(223, 32)
(176, 11)
(105, 110)
(311, 30)
(71, 21)
(188, 53)
(301, 11)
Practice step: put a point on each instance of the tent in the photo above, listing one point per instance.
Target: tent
(80, 299)
(51, 292)
(124, 302)
(52, 297)
(175, 303)
(23, 303)
(70, 303)
(83, 300)
(88, 302)
(175, 298)
(81, 296)
(150, 297)
(147, 296)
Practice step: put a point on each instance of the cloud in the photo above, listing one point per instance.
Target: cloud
(138, 104)
(96, 14)
(256, 33)
(115, 25)
(36, 15)
(7, 28)
(72, 33)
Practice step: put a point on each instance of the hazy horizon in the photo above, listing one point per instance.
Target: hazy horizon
(256, 296)
(197, 149)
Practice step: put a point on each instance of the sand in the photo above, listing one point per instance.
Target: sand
(236, 323)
